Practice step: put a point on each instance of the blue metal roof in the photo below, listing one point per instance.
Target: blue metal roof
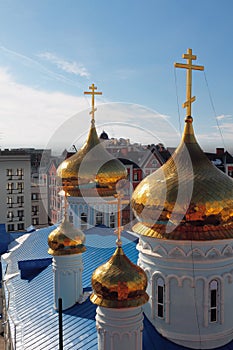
(33, 320)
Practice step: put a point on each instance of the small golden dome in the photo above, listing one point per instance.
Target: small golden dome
(188, 198)
(66, 240)
(119, 283)
(92, 170)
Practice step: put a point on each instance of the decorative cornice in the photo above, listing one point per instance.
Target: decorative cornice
(164, 250)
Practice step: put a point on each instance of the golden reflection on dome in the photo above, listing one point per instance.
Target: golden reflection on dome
(92, 169)
(206, 215)
(119, 283)
(66, 240)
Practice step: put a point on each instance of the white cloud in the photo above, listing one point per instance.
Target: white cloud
(28, 117)
(67, 66)
(34, 118)
(223, 117)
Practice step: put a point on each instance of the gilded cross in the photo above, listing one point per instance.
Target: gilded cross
(93, 93)
(119, 227)
(189, 66)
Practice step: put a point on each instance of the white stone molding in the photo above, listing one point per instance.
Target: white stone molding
(160, 250)
(67, 271)
(185, 249)
(196, 252)
(177, 251)
(228, 250)
(229, 276)
(213, 252)
(119, 328)
(207, 341)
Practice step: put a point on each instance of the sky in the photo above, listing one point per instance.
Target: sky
(51, 51)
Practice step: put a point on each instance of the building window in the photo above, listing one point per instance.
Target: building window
(83, 221)
(21, 215)
(135, 176)
(112, 220)
(35, 196)
(20, 172)
(213, 302)
(35, 221)
(20, 200)
(10, 227)
(160, 297)
(20, 227)
(154, 163)
(10, 201)
(10, 187)
(10, 215)
(35, 210)
(99, 218)
(9, 173)
(20, 187)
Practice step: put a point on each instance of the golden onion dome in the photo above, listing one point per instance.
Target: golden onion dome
(66, 240)
(119, 283)
(188, 198)
(92, 170)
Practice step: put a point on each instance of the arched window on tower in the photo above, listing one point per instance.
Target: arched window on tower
(83, 221)
(112, 220)
(213, 301)
(160, 296)
(99, 218)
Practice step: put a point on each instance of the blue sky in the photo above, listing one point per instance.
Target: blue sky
(51, 51)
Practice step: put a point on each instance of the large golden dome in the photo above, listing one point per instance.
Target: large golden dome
(119, 283)
(66, 240)
(92, 170)
(188, 198)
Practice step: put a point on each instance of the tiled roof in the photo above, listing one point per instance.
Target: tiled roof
(33, 320)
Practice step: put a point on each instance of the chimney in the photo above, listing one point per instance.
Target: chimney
(219, 151)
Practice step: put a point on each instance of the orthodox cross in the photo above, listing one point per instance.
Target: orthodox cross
(189, 66)
(119, 227)
(93, 93)
(65, 194)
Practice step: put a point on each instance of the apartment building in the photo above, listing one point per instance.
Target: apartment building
(15, 190)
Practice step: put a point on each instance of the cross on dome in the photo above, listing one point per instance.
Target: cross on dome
(119, 227)
(93, 93)
(189, 66)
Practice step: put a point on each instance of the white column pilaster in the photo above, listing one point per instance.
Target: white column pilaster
(119, 328)
(67, 279)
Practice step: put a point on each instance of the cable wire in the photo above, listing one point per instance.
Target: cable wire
(177, 99)
(215, 114)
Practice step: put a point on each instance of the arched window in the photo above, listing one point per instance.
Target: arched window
(160, 296)
(213, 300)
(99, 218)
(83, 221)
(112, 220)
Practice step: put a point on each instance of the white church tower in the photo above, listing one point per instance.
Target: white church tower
(119, 290)
(66, 245)
(185, 214)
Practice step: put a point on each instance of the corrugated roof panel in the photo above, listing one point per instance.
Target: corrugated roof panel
(31, 301)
